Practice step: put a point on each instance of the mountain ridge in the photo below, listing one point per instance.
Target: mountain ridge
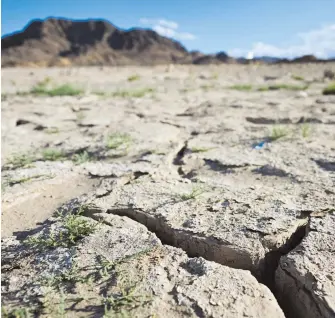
(62, 41)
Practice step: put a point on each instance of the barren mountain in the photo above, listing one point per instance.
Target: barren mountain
(90, 42)
(62, 42)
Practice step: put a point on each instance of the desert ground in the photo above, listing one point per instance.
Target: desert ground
(168, 191)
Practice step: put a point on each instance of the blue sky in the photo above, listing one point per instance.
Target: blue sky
(260, 27)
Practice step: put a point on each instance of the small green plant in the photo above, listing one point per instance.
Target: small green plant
(81, 157)
(196, 191)
(21, 312)
(135, 93)
(288, 87)
(71, 276)
(329, 90)
(263, 88)
(104, 266)
(100, 93)
(305, 130)
(200, 149)
(133, 78)
(20, 160)
(124, 302)
(207, 87)
(4, 97)
(52, 154)
(116, 140)
(44, 82)
(77, 228)
(74, 227)
(242, 87)
(63, 90)
(278, 132)
(26, 179)
(52, 130)
(297, 77)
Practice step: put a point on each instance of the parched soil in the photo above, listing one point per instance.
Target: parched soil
(168, 191)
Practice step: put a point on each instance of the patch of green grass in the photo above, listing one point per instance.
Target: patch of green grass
(241, 87)
(81, 157)
(207, 87)
(329, 90)
(12, 182)
(305, 130)
(278, 132)
(116, 140)
(100, 93)
(133, 78)
(52, 130)
(297, 77)
(200, 149)
(20, 160)
(196, 191)
(124, 302)
(289, 87)
(74, 228)
(69, 276)
(4, 97)
(52, 154)
(63, 90)
(133, 93)
(263, 88)
(21, 312)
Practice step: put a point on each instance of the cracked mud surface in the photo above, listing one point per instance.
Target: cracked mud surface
(196, 199)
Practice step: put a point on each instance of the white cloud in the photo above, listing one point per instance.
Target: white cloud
(319, 42)
(167, 28)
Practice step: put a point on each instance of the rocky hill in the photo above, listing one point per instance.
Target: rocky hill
(62, 42)
(90, 42)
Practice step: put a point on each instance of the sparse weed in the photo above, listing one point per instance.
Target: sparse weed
(26, 179)
(196, 191)
(278, 132)
(20, 160)
(116, 140)
(263, 88)
(200, 149)
(81, 157)
(71, 275)
(52, 130)
(104, 266)
(297, 77)
(133, 78)
(124, 302)
(100, 93)
(52, 154)
(241, 87)
(21, 312)
(329, 90)
(288, 87)
(305, 130)
(63, 90)
(135, 93)
(207, 87)
(74, 227)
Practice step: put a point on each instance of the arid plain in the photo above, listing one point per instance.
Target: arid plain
(168, 191)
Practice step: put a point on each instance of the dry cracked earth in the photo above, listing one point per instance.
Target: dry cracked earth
(177, 191)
